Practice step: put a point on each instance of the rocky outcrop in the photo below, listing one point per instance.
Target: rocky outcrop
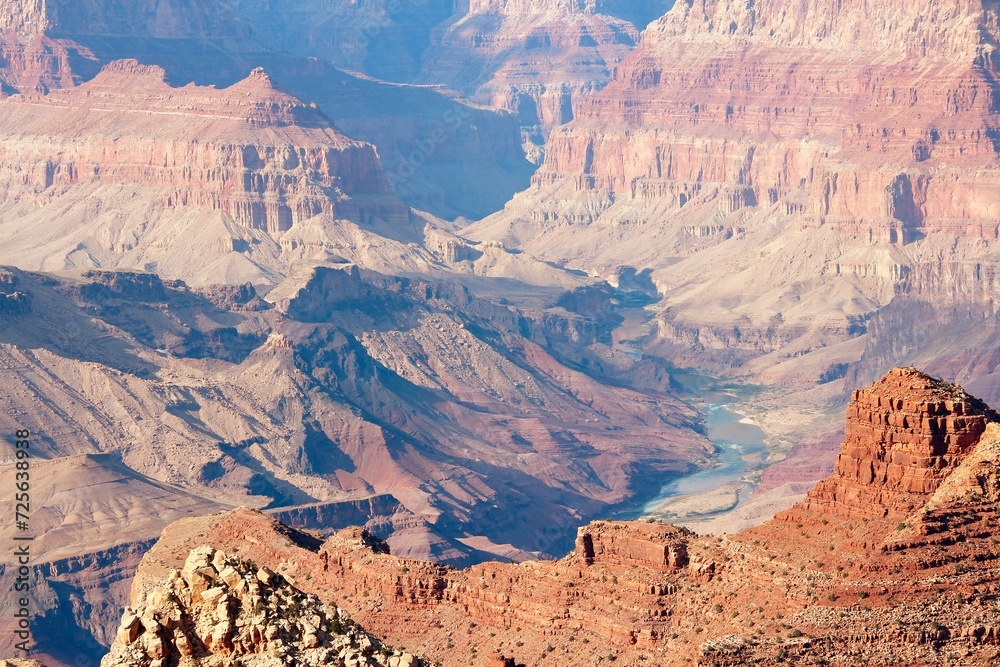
(905, 435)
(655, 545)
(221, 610)
(819, 584)
(332, 517)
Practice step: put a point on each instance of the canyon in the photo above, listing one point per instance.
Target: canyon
(535, 59)
(425, 281)
(892, 559)
(437, 417)
(780, 176)
(437, 145)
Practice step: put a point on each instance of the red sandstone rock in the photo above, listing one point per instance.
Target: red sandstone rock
(904, 435)
(844, 585)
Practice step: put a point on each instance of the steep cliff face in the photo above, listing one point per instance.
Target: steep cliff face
(23, 18)
(843, 145)
(259, 155)
(438, 147)
(119, 161)
(537, 59)
(908, 577)
(905, 434)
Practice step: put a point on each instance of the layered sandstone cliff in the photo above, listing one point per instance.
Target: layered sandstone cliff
(439, 146)
(255, 153)
(905, 435)
(780, 170)
(537, 59)
(127, 170)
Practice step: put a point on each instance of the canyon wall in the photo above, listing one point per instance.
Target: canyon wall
(738, 139)
(259, 155)
(535, 59)
(141, 18)
(382, 38)
(437, 148)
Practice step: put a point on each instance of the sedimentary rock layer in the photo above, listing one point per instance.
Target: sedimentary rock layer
(779, 170)
(257, 154)
(538, 59)
(814, 585)
(904, 435)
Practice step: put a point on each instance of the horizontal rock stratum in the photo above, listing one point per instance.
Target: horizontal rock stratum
(903, 574)
(780, 169)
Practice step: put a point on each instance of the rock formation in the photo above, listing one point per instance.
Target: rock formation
(432, 141)
(221, 610)
(738, 139)
(826, 583)
(436, 416)
(537, 59)
(904, 436)
(250, 153)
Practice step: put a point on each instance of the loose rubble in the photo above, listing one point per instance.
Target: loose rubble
(222, 610)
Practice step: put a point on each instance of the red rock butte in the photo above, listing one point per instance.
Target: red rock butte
(904, 435)
(913, 500)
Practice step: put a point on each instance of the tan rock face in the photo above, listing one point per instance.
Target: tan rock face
(721, 94)
(537, 59)
(779, 170)
(24, 18)
(250, 151)
(655, 545)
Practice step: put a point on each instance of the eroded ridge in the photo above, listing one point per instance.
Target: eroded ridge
(891, 561)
